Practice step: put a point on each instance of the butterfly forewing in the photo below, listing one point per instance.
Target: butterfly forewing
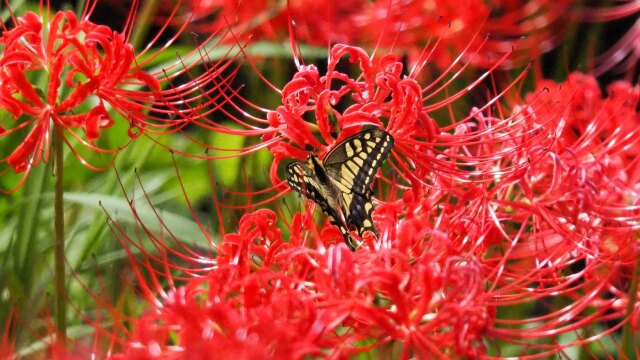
(352, 166)
(298, 175)
(304, 180)
(353, 163)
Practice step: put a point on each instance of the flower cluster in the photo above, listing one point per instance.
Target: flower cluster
(268, 298)
(403, 25)
(532, 28)
(461, 151)
(487, 214)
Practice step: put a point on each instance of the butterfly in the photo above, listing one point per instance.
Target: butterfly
(341, 183)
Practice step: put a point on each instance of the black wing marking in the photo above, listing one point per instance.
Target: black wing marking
(360, 213)
(303, 180)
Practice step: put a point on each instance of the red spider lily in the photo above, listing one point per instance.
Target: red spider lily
(436, 147)
(418, 296)
(316, 22)
(381, 96)
(589, 174)
(243, 307)
(256, 316)
(89, 72)
(81, 65)
(534, 27)
(566, 228)
(494, 28)
(537, 207)
(267, 297)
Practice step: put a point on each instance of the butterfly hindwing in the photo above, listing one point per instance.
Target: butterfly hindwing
(360, 212)
(303, 179)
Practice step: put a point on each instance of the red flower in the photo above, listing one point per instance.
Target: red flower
(587, 176)
(490, 31)
(266, 298)
(445, 271)
(526, 204)
(92, 61)
(381, 96)
(316, 22)
(249, 306)
(530, 28)
(435, 147)
(566, 228)
(72, 76)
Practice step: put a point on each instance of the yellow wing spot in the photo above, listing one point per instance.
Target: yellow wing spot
(313, 183)
(363, 156)
(366, 223)
(353, 167)
(368, 207)
(357, 144)
(349, 150)
(347, 175)
(358, 161)
(346, 197)
(343, 187)
(367, 136)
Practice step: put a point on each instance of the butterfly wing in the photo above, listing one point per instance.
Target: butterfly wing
(304, 180)
(351, 166)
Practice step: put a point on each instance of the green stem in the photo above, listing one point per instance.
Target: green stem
(61, 294)
(142, 23)
(628, 342)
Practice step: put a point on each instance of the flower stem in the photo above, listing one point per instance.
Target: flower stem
(143, 21)
(61, 295)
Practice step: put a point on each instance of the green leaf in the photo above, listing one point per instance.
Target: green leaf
(118, 209)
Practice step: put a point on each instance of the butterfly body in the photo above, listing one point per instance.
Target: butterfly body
(341, 183)
(326, 186)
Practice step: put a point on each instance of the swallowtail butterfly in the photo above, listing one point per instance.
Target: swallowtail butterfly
(341, 182)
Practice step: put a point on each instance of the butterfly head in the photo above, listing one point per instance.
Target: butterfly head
(314, 162)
